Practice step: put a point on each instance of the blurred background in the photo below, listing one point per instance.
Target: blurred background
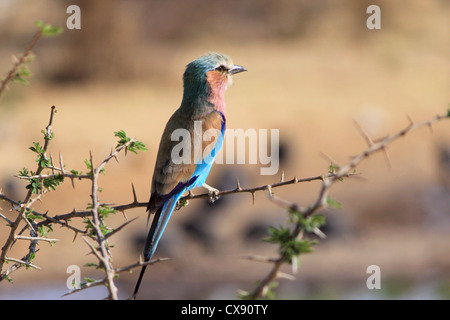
(314, 68)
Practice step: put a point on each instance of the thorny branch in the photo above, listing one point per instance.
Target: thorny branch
(23, 58)
(327, 181)
(24, 206)
(98, 233)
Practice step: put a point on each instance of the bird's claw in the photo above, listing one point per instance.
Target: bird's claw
(180, 204)
(213, 193)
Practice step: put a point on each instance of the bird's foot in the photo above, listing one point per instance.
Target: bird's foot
(213, 193)
(181, 203)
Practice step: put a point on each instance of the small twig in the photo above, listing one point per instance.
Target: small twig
(140, 264)
(53, 175)
(85, 286)
(119, 228)
(10, 76)
(34, 238)
(260, 258)
(23, 262)
(7, 220)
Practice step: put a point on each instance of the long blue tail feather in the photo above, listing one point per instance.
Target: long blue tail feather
(157, 228)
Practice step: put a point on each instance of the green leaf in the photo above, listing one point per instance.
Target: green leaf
(90, 280)
(309, 223)
(53, 182)
(134, 146)
(88, 164)
(39, 24)
(122, 137)
(137, 145)
(37, 148)
(22, 73)
(31, 257)
(105, 211)
(92, 264)
(334, 203)
(290, 245)
(278, 235)
(31, 217)
(42, 231)
(35, 185)
(332, 168)
(270, 290)
(23, 172)
(89, 226)
(43, 161)
(48, 30)
(46, 136)
(183, 202)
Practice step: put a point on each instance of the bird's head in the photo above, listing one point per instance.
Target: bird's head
(209, 76)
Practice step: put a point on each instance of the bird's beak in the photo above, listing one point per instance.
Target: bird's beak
(236, 69)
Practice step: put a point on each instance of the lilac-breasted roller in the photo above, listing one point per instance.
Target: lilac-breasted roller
(203, 107)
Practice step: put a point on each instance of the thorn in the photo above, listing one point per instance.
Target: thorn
(382, 138)
(294, 262)
(73, 183)
(190, 193)
(282, 176)
(269, 191)
(253, 197)
(411, 122)
(260, 259)
(51, 163)
(61, 164)
(238, 185)
(242, 292)
(92, 163)
(324, 155)
(363, 133)
(285, 276)
(75, 236)
(430, 125)
(115, 156)
(264, 291)
(135, 200)
(386, 157)
(319, 233)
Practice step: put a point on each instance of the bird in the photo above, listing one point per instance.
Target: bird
(205, 81)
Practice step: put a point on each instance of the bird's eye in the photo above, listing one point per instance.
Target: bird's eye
(221, 68)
